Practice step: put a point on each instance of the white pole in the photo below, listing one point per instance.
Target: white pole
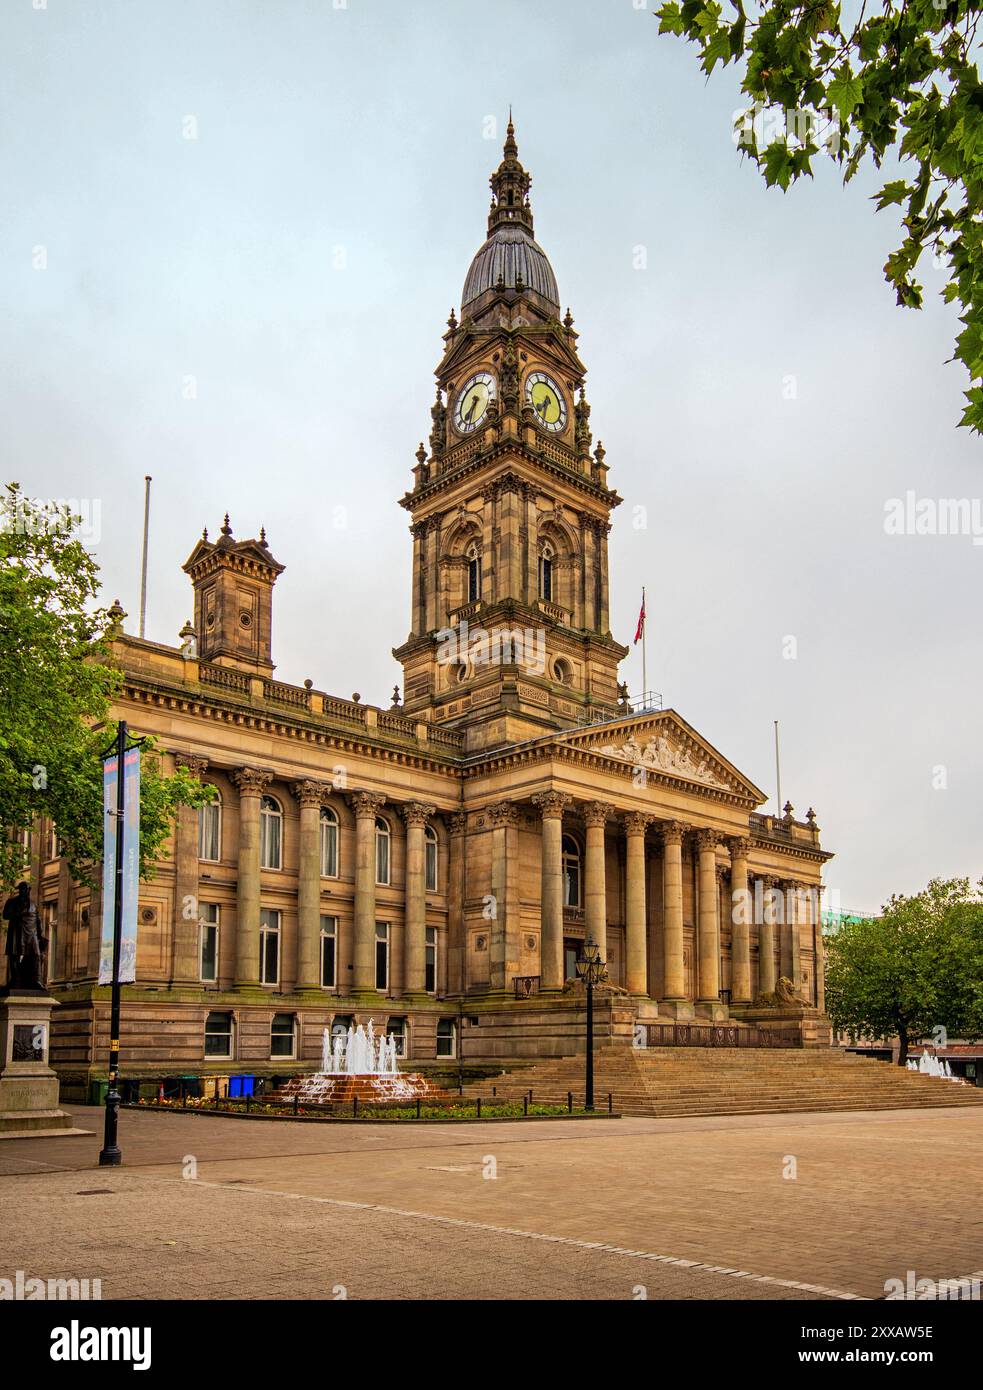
(645, 679)
(143, 574)
(778, 770)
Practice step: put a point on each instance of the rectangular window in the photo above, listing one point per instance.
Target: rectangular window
(208, 924)
(431, 863)
(283, 1032)
(397, 1027)
(382, 955)
(329, 948)
(210, 832)
(446, 1039)
(218, 1035)
(269, 947)
(430, 963)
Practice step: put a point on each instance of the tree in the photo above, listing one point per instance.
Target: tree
(912, 970)
(902, 81)
(58, 684)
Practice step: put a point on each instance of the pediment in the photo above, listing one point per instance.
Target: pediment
(664, 744)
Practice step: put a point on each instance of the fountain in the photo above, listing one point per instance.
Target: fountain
(356, 1065)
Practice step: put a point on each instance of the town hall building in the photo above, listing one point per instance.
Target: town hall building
(437, 865)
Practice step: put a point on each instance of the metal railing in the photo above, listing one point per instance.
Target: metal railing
(715, 1035)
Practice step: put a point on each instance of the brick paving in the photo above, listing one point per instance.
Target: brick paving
(304, 1211)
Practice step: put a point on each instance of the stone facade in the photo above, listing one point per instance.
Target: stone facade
(434, 865)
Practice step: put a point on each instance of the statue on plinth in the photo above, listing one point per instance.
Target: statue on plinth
(26, 946)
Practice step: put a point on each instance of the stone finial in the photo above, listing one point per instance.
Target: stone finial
(395, 697)
(568, 320)
(189, 642)
(421, 454)
(788, 811)
(308, 684)
(116, 616)
(356, 697)
(226, 528)
(811, 817)
(452, 320)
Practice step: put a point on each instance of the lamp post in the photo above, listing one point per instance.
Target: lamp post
(592, 970)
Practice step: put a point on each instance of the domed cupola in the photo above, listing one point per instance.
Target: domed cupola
(511, 260)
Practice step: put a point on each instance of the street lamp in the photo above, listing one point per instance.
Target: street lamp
(592, 970)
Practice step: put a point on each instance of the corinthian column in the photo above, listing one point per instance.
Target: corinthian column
(674, 978)
(551, 806)
(310, 795)
(416, 815)
(708, 925)
(816, 917)
(766, 938)
(504, 946)
(185, 961)
(252, 783)
(636, 925)
(457, 825)
(740, 931)
(366, 807)
(595, 902)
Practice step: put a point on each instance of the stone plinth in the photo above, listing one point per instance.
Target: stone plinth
(28, 1086)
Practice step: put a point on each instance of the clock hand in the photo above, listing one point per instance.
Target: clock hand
(474, 406)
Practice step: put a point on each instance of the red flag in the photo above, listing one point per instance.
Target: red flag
(640, 629)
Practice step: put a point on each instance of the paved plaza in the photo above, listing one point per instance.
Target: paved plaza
(613, 1209)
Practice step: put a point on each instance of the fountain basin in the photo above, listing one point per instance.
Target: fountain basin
(322, 1088)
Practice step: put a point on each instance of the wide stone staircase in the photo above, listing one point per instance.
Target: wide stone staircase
(672, 1081)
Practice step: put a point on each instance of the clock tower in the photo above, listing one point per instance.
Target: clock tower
(510, 507)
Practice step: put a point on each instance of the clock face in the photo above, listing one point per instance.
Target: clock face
(546, 399)
(473, 402)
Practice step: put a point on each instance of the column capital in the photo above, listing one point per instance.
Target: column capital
(457, 822)
(416, 812)
(767, 881)
(672, 832)
(739, 846)
(309, 792)
(706, 839)
(194, 763)
(366, 804)
(503, 813)
(551, 803)
(723, 872)
(252, 781)
(636, 822)
(597, 813)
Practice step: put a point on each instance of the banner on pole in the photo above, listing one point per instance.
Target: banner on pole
(131, 866)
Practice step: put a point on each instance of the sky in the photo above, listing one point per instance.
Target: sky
(232, 235)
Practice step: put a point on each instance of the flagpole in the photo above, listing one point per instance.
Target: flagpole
(645, 678)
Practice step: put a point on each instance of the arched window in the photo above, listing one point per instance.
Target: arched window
(329, 843)
(430, 845)
(210, 831)
(546, 557)
(571, 872)
(383, 837)
(270, 833)
(473, 557)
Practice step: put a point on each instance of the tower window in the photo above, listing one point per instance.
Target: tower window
(269, 946)
(473, 556)
(546, 558)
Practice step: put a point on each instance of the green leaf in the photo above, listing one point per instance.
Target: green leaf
(845, 92)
